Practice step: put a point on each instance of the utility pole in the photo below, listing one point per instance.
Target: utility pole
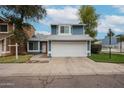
(110, 35)
(120, 44)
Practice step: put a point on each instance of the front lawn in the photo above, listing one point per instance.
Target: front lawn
(103, 57)
(11, 59)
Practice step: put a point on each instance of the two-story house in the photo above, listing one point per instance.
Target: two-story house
(66, 40)
(6, 35)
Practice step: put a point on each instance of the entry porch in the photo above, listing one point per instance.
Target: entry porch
(37, 47)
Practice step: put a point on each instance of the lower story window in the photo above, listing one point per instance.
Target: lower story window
(33, 45)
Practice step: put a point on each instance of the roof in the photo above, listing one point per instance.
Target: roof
(3, 19)
(3, 36)
(68, 24)
(41, 37)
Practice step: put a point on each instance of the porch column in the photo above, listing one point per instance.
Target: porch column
(39, 46)
(49, 48)
(90, 48)
(5, 45)
(70, 29)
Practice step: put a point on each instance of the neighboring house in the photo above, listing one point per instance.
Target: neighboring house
(115, 44)
(105, 42)
(66, 40)
(6, 35)
(120, 46)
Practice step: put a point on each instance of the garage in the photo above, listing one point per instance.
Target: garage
(68, 49)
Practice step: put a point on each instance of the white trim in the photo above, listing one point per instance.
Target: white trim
(89, 51)
(4, 48)
(69, 24)
(7, 27)
(59, 30)
(83, 30)
(48, 48)
(39, 45)
(70, 30)
(48, 52)
(5, 44)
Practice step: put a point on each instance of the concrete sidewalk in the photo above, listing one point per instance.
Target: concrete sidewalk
(41, 58)
(61, 66)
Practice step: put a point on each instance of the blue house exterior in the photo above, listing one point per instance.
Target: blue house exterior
(105, 41)
(65, 40)
(76, 29)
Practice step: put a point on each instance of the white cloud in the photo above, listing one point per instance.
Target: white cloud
(119, 7)
(116, 23)
(115, 20)
(66, 15)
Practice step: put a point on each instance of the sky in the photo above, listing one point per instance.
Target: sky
(110, 17)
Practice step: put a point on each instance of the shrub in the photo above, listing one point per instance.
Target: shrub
(96, 48)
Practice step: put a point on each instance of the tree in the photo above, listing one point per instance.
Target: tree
(88, 16)
(19, 14)
(120, 37)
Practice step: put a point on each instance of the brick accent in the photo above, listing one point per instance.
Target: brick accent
(9, 41)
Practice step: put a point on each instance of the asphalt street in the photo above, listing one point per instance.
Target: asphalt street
(66, 81)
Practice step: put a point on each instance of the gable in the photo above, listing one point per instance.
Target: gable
(3, 20)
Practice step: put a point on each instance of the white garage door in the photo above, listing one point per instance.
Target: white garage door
(68, 49)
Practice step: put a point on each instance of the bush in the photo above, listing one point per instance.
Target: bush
(96, 48)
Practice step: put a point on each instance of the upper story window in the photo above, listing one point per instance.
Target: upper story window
(3, 27)
(64, 29)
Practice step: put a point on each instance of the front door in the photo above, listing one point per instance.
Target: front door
(44, 47)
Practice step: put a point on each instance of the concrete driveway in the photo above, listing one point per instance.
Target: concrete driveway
(61, 66)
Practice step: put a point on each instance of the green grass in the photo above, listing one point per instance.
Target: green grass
(11, 59)
(115, 58)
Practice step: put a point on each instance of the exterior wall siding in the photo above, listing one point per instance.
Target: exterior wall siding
(75, 30)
